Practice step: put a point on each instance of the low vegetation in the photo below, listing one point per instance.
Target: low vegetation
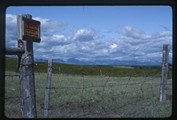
(92, 91)
(92, 96)
(119, 71)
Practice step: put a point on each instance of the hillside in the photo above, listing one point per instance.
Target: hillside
(11, 63)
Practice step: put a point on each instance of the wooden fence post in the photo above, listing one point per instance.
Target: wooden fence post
(47, 91)
(100, 72)
(164, 74)
(59, 70)
(26, 70)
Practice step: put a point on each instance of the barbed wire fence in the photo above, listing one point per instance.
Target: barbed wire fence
(87, 95)
(12, 95)
(105, 96)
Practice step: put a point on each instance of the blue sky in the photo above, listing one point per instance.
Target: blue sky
(97, 32)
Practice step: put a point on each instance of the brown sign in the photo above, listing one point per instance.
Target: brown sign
(31, 30)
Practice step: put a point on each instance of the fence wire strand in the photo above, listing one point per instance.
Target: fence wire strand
(91, 96)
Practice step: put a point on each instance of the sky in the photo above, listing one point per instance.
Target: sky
(92, 33)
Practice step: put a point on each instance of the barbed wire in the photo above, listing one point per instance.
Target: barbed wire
(12, 95)
(91, 96)
(84, 103)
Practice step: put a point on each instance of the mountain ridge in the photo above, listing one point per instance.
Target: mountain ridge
(101, 62)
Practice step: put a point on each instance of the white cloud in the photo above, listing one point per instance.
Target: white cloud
(88, 44)
(49, 27)
(113, 46)
(11, 31)
(11, 20)
(137, 46)
(83, 35)
(145, 46)
(58, 37)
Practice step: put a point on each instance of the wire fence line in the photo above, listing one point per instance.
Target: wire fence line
(91, 95)
(101, 96)
(12, 95)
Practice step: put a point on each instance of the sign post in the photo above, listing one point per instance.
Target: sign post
(28, 32)
(31, 30)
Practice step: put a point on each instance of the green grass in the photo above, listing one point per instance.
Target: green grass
(95, 70)
(93, 96)
(131, 67)
(117, 71)
(80, 91)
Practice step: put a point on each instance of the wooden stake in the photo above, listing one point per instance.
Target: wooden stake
(164, 74)
(47, 91)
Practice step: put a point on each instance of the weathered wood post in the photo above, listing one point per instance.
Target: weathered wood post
(164, 74)
(47, 91)
(28, 32)
(100, 72)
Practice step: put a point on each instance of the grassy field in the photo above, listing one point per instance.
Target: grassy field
(84, 91)
(92, 96)
(117, 71)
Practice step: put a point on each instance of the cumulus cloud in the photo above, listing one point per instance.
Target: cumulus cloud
(113, 46)
(11, 20)
(49, 27)
(83, 35)
(137, 43)
(134, 36)
(130, 43)
(11, 30)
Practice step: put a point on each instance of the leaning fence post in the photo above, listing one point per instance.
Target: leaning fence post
(47, 91)
(164, 74)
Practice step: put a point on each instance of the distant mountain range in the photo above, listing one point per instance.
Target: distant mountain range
(101, 62)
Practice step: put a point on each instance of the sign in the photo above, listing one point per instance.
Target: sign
(31, 30)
